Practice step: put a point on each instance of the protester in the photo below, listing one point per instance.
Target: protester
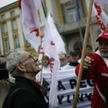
(88, 50)
(46, 68)
(5, 80)
(45, 63)
(96, 67)
(25, 93)
(62, 58)
(73, 60)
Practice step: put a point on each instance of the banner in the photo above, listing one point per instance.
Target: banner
(66, 87)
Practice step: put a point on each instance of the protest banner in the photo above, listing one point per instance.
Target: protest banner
(66, 87)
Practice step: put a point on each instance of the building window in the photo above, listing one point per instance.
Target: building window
(4, 27)
(12, 13)
(72, 15)
(3, 17)
(14, 24)
(17, 42)
(27, 43)
(7, 45)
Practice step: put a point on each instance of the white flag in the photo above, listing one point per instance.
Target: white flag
(50, 49)
(56, 36)
(30, 21)
(101, 1)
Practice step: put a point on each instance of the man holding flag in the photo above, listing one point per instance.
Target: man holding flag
(96, 67)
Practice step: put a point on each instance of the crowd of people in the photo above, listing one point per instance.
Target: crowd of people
(22, 91)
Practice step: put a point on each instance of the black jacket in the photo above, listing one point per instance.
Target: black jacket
(24, 93)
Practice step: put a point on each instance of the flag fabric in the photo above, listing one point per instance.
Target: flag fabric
(56, 36)
(30, 21)
(101, 16)
(78, 13)
(101, 1)
(52, 46)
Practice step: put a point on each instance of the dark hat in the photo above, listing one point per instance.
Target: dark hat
(102, 35)
(74, 52)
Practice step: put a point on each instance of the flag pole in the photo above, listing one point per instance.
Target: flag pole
(83, 54)
(43, 9)
(41, 82)
(79, 26)
(79, 45)
(43, 52)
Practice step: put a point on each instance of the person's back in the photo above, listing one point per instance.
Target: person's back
(25, 93)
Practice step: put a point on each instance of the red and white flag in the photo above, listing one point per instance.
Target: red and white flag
(30, 21)
(101, 16)
(57, 38)
(101, 1)
(52, 46)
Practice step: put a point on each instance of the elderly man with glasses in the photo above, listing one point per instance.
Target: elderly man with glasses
(25, 93)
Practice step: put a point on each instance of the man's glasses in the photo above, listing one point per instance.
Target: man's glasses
(30, 56)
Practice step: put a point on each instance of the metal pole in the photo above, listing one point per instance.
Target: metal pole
(43, 9)
(43, 53)
(2, 38)
(80, 31)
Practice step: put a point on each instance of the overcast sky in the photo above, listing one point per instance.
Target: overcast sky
(6, 2)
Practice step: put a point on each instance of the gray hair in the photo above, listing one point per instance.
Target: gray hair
(13, 59)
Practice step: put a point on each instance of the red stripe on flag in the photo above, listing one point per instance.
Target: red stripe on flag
(41, 53)
(20, 4)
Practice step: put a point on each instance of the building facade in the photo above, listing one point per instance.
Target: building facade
(69, 16)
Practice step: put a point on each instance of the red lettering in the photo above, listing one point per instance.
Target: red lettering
(52, 43)
(98, 8)
(101, 24)
(37, 32)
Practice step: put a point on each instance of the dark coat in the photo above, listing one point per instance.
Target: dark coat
(24, 93)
